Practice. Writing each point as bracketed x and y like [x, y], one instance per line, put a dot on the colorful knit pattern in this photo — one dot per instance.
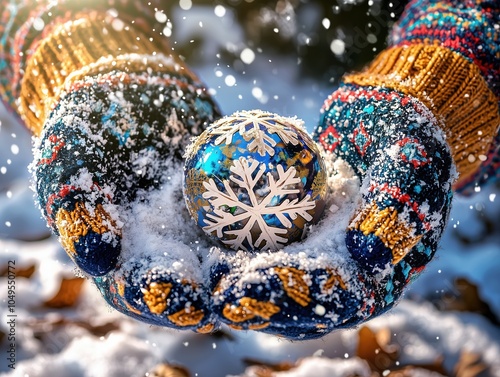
[392, 141]
[304, 298]
[282, 293]
[430, 68]
[429, 73]
[110, 110]
[101, 145]
[25, 23]
[470, 28]
[295, 298]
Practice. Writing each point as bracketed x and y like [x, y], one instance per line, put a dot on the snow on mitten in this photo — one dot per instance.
[425, 107]
[111, 115]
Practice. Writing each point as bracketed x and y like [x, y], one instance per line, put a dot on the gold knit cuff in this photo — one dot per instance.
[449, 85]
[130, 63]
[69, 48]
[394, 233]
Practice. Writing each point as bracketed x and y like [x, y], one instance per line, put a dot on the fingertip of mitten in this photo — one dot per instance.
[292, 302]
[368, 250]
[159, 297]
[88, 233]
[96, 254]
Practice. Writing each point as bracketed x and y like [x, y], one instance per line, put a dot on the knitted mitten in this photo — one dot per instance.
[445, 58]
[111, 114]
[427, 105]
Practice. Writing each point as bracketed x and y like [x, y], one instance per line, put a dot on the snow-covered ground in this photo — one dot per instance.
[447, 324]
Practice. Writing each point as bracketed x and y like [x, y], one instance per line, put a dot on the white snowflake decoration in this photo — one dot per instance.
[246, 174]
[255, 126]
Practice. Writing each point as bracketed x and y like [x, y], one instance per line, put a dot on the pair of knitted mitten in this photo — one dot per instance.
[113, 114]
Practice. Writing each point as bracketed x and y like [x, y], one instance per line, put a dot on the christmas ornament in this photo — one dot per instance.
[254, 180]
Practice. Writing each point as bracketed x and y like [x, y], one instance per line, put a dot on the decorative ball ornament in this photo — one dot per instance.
[254, 181]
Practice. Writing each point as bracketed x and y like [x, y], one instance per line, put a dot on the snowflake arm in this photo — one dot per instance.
[244, 172]
[218, 198]
[261, 141]
[241, 235]
[293, 209]
[227, 129]
[270, 236]
[287, 136]
[279, 187]
[284, 133]
[219, 219]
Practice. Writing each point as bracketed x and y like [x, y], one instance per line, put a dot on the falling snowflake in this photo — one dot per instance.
[256, 126]
[247, 175]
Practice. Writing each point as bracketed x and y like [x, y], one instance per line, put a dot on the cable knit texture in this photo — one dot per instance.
[451, 87]
[470, 28]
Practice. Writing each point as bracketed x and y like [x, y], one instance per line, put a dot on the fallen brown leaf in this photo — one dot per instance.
[469, 365]
[96, 330]
[411, 370]
[375, 349]
[24, 272]
[54, 332]
[265, 369]
[68, 293]
[168, 370]
[381, 356]
[466, 298]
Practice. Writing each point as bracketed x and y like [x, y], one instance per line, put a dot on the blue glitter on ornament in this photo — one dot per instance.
[254, 181]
